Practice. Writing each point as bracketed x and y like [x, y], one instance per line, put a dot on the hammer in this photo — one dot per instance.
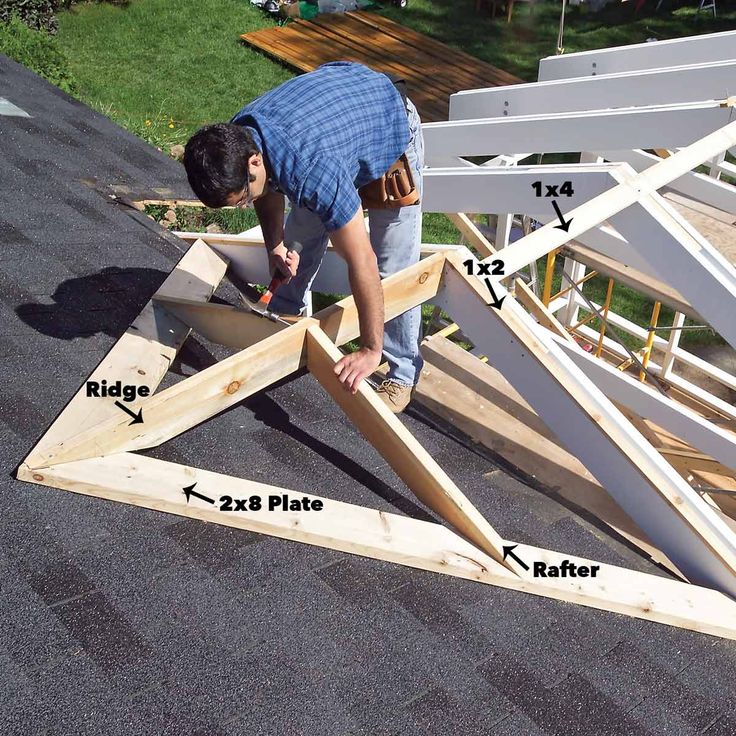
[261, 306]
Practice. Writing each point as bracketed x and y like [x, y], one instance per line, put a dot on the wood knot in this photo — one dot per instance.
[37, 476]
[423, 277]
[233, 387]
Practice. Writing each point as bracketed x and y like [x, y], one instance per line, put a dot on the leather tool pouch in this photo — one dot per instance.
[394, 189]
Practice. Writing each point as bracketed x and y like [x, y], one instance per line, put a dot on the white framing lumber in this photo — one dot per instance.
[156, 484]
[475, 238]
[544, 315]
[606, 205]
[657, 126]
[195, 276]
[718, 406]
[648, 403]
[701, 187]
[247, 256]
[503, 190]
[711, 47]
[684, 259]
[666, 508]
[691, 83]
[475, 398]
[409, 460]
[199, 397]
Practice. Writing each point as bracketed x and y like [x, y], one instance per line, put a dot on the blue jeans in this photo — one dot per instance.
[396, 237]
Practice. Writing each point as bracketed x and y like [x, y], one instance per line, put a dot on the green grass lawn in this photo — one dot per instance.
[532, 34]
[163, 69]
[155, 64]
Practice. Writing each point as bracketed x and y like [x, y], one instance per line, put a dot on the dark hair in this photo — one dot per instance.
[216, 160]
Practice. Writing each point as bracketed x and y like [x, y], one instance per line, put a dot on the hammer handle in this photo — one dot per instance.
[277, 279]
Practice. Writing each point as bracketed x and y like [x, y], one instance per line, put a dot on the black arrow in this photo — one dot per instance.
[565, 225]
[508, 551]
[189, 492]
[137, 418]
[496, 301]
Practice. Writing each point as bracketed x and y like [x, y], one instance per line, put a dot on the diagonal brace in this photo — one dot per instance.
[409, 460]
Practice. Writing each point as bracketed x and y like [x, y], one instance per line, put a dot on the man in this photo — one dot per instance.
[316, 139]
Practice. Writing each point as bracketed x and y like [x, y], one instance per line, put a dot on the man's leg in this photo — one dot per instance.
[396, 237]
[304, 227]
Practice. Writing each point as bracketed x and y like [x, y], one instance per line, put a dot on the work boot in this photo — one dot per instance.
[395, 395]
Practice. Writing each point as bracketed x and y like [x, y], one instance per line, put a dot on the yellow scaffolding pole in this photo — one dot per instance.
[650, 341]
[606, 307]
[548, 272]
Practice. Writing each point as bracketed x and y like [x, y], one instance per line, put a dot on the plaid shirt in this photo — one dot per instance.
[326, 133]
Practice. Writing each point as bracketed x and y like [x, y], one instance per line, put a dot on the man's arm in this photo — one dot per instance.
[352, 243]
[270, 211]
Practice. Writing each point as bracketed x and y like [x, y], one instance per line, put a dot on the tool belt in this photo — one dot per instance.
[394, 189]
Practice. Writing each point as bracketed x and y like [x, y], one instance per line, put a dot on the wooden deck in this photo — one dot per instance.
[433, 71]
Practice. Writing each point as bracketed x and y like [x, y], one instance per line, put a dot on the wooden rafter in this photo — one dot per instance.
[92, 455]
[409, 460]
[145, 351]
[156, 484]
[648, 489]
[228, 382]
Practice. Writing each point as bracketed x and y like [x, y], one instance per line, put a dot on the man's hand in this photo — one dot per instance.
[283, 261]
[352, 243]
[353, 368]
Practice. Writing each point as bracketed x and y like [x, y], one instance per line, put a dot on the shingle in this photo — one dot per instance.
[724, 726]
[516, 724]
[59, 581]
[105, 635]
[117, 619]
[441, 616]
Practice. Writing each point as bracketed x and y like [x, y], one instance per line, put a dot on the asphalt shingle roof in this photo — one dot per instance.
[120, 620]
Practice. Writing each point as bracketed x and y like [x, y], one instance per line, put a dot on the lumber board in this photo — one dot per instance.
[409, 460]
[648, 403]
[726, 502]
[598, 92]
[673, 516]
[635, 279]
[144, 353]
[718, 227]
[650, 126]
[684, 203]
[432, 69]
[631, 188]
[684, 258]
[158, 485]
[474, 397]
[215, 389]
[522, 292]
[699, 49]
[701, 187]
[222, 324]
[696, 461]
